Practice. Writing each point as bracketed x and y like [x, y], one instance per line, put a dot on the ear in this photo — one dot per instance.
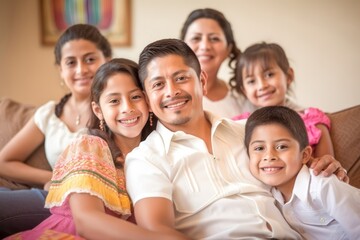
[203, 80]
[306, 154]
[290, 76]
[97, 110]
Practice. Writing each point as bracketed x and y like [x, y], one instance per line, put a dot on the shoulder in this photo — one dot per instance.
[315, 116]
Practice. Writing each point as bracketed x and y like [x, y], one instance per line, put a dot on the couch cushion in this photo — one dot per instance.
[13, 116]
[345, 135]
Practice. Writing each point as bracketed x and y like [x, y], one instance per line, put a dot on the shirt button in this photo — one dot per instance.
[322, 219]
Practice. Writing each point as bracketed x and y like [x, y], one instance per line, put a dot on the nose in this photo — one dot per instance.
[127, 106]
[172, 89]
[81, 68]
[204, 44]
[262, 84]
[269, 155]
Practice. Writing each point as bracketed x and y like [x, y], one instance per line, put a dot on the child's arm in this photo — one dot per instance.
[324, 145]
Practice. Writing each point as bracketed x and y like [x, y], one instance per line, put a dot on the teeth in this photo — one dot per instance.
[176, 105]
[129, 121]
[271, 169]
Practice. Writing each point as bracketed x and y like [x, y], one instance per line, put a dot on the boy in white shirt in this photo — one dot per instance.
[316, 207]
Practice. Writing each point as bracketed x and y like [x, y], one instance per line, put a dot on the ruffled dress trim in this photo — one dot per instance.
[86, 166]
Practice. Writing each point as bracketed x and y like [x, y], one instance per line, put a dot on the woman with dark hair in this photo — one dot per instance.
[87, 195]
[210, 36]
[79, 52]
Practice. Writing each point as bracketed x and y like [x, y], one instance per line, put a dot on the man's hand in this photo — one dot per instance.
[328, 165]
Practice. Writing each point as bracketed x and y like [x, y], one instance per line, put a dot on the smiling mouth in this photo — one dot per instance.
[271, 169]
[129, 121]
[176, 105]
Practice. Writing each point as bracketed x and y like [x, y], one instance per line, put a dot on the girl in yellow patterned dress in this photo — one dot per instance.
[87, 196]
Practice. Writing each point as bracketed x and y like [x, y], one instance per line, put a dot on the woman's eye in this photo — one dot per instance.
[90, 60]
[214, 39]
[195, 39]
[70, 63]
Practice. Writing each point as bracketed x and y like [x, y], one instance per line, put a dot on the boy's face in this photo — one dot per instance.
[275, 156]
[174, 91]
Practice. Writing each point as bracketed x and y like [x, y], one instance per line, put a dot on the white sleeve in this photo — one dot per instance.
[342, 201]
[147, 175]
[43, 114]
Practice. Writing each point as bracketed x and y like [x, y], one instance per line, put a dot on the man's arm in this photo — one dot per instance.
[328, 165]
[157, 214]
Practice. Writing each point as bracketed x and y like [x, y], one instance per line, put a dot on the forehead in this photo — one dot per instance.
[205, 25]
[166, 65]
[120, 83]
[78, 47]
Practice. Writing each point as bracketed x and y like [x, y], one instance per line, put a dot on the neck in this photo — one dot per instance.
[126, 145]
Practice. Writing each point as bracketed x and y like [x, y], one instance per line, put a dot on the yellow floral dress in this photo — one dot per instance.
[86, 166]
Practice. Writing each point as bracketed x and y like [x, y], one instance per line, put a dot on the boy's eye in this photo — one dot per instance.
[258, 148]
[281, 147]
[269, 74]
[181, 78]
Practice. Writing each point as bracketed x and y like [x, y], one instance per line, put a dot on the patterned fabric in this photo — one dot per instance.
[86, 166]
[311, 117]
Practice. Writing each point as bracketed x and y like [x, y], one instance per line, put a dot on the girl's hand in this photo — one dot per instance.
[328, 165]
[47, 186]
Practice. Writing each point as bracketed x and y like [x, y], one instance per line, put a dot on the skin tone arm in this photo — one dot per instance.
[325, 145]
[92, 222]
[18, 149]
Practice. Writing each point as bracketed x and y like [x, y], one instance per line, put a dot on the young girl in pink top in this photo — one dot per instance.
[264, 76]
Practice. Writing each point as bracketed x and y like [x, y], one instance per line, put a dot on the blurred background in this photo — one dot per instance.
[320, 37]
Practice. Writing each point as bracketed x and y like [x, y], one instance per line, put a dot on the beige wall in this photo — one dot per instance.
[321, 38]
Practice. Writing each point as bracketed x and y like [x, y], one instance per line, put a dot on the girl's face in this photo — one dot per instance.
[79, 62]
[123, 107]
[275, 156]
[207, 39]
[266, 87]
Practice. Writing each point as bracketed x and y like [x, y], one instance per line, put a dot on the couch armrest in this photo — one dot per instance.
[345, 135]
[13, 116]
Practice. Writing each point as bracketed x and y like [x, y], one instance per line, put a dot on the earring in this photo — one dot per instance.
[102, 125]
[151, 119]
[62, 83]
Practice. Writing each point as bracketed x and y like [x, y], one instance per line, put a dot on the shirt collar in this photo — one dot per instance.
[168, 136]
[301, 186]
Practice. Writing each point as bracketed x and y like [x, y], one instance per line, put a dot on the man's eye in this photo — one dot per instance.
[157, 85]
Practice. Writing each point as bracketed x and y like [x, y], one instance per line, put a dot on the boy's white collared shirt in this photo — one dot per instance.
[322, 207]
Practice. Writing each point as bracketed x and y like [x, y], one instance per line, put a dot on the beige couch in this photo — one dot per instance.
[345, 133]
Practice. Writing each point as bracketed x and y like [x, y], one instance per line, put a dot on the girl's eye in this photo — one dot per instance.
[113, 101]
[137, 96]
[269, 74]
[250, 81]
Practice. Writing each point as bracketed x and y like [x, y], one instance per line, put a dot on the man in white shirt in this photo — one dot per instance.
[191, 175]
